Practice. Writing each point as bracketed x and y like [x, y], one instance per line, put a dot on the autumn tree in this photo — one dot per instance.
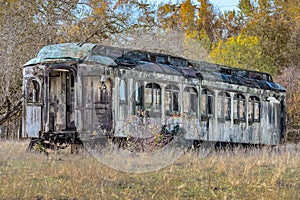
[267, 39]
[262, 35]
[290, 80]
[230, 25]
[276, 24]
[243, 52]
[15, 33]
[24, 29]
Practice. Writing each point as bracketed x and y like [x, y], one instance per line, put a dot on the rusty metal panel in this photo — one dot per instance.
[33, 121]
[66, 51]
[99, 106]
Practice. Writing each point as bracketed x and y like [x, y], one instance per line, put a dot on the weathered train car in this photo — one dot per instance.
[78, 91]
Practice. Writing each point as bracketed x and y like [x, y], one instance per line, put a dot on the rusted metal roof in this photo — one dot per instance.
[65, 51]
[154, 62]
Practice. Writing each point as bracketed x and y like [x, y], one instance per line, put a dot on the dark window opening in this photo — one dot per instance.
[171, 99]
[161, 59]
[178, 61]
[224, 106]
[239, 107]
[138, 98]
[254, 109]
[153, 98]
[226, 71]
[190, 101]
[103, 94]
[207, 102]
[70, 100]
[33, 91]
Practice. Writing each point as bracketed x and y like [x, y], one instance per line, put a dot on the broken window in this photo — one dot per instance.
[171, 99]
[70, 100]
[207, 102]
[190, 99]
[33, 91]
[123, 91]
[224, 106]
[153, 97]
[239, 107]
[138, 97]
[254, 109]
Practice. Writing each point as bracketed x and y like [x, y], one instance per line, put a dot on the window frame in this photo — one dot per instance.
[254, 109]
[123, 91]
[172, 101]
[207, 104]
[239, 101]
[223, 105]
[138, 97]
[192, 105]
[154, 91]
[33, 91]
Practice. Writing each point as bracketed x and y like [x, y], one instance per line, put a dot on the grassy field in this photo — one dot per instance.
[236, 174]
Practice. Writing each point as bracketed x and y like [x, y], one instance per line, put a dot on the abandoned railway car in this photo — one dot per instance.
[74, 92]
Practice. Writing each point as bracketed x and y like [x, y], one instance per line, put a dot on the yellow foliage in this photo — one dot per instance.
[187, 15]
[242, 52]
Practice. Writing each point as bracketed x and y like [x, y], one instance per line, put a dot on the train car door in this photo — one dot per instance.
[61, 100]
[103, 105]
[33, 108]
[96, 103]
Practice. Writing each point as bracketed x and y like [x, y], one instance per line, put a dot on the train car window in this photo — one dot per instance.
[114, 53]
[171, 99]
[136, 55]
[239, 107]
[103, 93]
[153, 97]
[254, 109]
[224, 105]
[138, 97]
[123, 91]
[33, 91]
[177, 61]
[241, 73]
[207, 102]
[161, 59]
[190, 99]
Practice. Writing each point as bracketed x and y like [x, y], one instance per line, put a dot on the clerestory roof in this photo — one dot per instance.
[153, 62]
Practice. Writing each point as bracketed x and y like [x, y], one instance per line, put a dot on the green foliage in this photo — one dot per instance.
[40, 147]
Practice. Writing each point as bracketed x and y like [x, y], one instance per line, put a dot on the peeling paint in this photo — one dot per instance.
[99, 90]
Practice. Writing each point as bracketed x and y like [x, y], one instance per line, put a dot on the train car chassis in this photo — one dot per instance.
[78, 92]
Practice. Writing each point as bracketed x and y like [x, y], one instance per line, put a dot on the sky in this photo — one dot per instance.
[225, 4]
[222, 5]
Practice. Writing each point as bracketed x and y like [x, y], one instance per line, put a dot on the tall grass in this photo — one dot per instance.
[233, 174]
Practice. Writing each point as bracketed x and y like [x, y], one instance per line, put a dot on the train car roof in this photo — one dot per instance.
[153, 62]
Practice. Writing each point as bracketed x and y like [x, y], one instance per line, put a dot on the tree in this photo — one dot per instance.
[15, 33]
[242, 52]
[207, 21]
[24, 29]
[230, 25]
[290, 80]
[276, 24]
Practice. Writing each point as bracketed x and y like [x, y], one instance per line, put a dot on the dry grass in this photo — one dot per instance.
[237, 174]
